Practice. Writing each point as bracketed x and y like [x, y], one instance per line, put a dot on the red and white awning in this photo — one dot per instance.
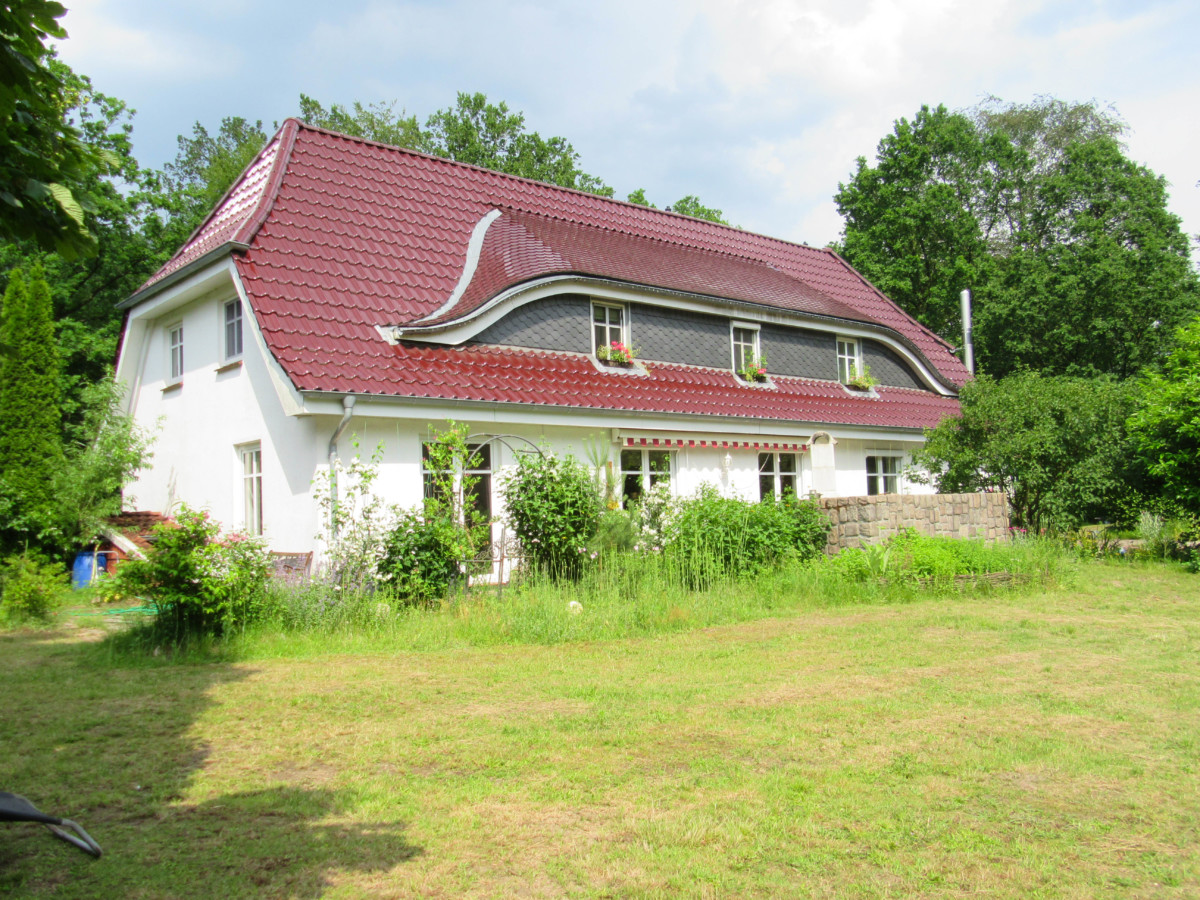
[719, 444]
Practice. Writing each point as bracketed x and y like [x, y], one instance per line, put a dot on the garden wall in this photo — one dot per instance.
[868, 520]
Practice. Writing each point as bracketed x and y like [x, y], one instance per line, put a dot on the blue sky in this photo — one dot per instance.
[760, 107]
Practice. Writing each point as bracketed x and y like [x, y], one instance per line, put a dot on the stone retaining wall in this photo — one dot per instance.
[868, 520]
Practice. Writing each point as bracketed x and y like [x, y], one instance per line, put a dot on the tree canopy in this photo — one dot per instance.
[1166, 425]
[1076, 265]
[1056, 445]
[45, 164]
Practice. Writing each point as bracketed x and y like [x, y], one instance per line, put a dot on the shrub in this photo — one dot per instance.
[198, 581]
[616, 531]
[737, 537]
[356, 524]
[30, 588]
[553, 508]
[424, 553]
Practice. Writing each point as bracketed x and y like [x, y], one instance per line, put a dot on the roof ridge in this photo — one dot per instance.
[550, 185]
[266, 201]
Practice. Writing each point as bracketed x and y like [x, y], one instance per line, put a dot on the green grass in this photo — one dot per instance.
[1039, 743]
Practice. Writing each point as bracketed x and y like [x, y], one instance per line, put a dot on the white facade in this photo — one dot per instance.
[223, 405]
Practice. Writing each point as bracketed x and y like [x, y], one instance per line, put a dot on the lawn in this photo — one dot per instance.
[1039, 744]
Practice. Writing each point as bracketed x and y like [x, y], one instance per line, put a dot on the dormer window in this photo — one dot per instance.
[849, 358]
[608, 325]
[748, 361]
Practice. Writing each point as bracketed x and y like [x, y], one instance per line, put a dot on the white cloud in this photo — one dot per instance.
[99, 42]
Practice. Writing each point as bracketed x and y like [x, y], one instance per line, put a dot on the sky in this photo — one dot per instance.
[759, 108]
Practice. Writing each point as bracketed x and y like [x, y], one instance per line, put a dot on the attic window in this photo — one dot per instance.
[747, 355]
[849, 357]
[608, 325]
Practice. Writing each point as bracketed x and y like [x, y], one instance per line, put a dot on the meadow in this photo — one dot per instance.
[757, 740]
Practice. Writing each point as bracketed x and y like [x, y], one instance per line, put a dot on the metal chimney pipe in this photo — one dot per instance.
[968, 346]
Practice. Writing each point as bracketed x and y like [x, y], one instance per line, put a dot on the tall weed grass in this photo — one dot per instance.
[622, 595]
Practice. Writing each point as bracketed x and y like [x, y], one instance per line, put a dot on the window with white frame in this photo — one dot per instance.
[175, 351]
[232, 335]
[745, 347]
[252, 493]
[642, 469]
[849, 359]
[777, 475]
[608, 325]
[883, 473]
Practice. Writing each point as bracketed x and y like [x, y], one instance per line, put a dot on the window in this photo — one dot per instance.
[477, 477]
[849, 361]
[642, 470]
[745, 347]
[233, 330]
[175, 351]
[777, 475]
[252, 514]
[608, 325]
[883, 475]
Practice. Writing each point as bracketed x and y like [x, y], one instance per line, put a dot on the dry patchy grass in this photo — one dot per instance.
[1043, 744]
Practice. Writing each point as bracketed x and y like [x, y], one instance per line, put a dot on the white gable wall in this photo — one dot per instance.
[200, 423]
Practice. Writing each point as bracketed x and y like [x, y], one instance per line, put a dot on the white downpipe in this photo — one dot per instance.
[347, 413]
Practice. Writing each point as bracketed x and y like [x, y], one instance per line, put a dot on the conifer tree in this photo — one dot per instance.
[31, 453]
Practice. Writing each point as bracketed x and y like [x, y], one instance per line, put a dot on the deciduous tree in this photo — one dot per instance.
[1166, 425]
[45, 165]
[1056, 445]
[1076, 264]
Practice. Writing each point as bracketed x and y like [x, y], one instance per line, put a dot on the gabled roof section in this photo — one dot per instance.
[235, 219]
[338, 236]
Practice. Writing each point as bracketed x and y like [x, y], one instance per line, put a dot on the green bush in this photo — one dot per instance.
[729, 536]
[554, 508]
[424, 553]
[30, 588]
[199, 581]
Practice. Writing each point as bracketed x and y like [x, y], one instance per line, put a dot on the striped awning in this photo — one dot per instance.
[718, 444]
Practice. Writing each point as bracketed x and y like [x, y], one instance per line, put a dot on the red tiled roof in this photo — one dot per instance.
[519, 247]
[344, 235]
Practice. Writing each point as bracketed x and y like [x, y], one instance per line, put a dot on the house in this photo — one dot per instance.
[348, 291]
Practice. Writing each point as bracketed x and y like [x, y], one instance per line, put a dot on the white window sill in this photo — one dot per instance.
[229, 366]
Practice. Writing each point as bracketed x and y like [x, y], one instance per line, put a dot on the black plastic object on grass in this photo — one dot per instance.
[15, 808]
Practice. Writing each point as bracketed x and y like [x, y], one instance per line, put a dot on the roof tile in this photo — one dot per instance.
[351, 234]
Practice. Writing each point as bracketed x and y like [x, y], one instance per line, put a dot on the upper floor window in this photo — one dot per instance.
[883, 474]
[608, 325]
[777, 475]
[643, 469]
[232, 348]
[175, 351]
[746, 355]
[849, 356]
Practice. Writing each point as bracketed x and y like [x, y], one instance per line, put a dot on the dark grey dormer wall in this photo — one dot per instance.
[887, 367]
[556, 323]
[669, 335]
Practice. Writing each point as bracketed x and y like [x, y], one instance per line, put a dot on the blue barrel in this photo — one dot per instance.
[84, 570]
